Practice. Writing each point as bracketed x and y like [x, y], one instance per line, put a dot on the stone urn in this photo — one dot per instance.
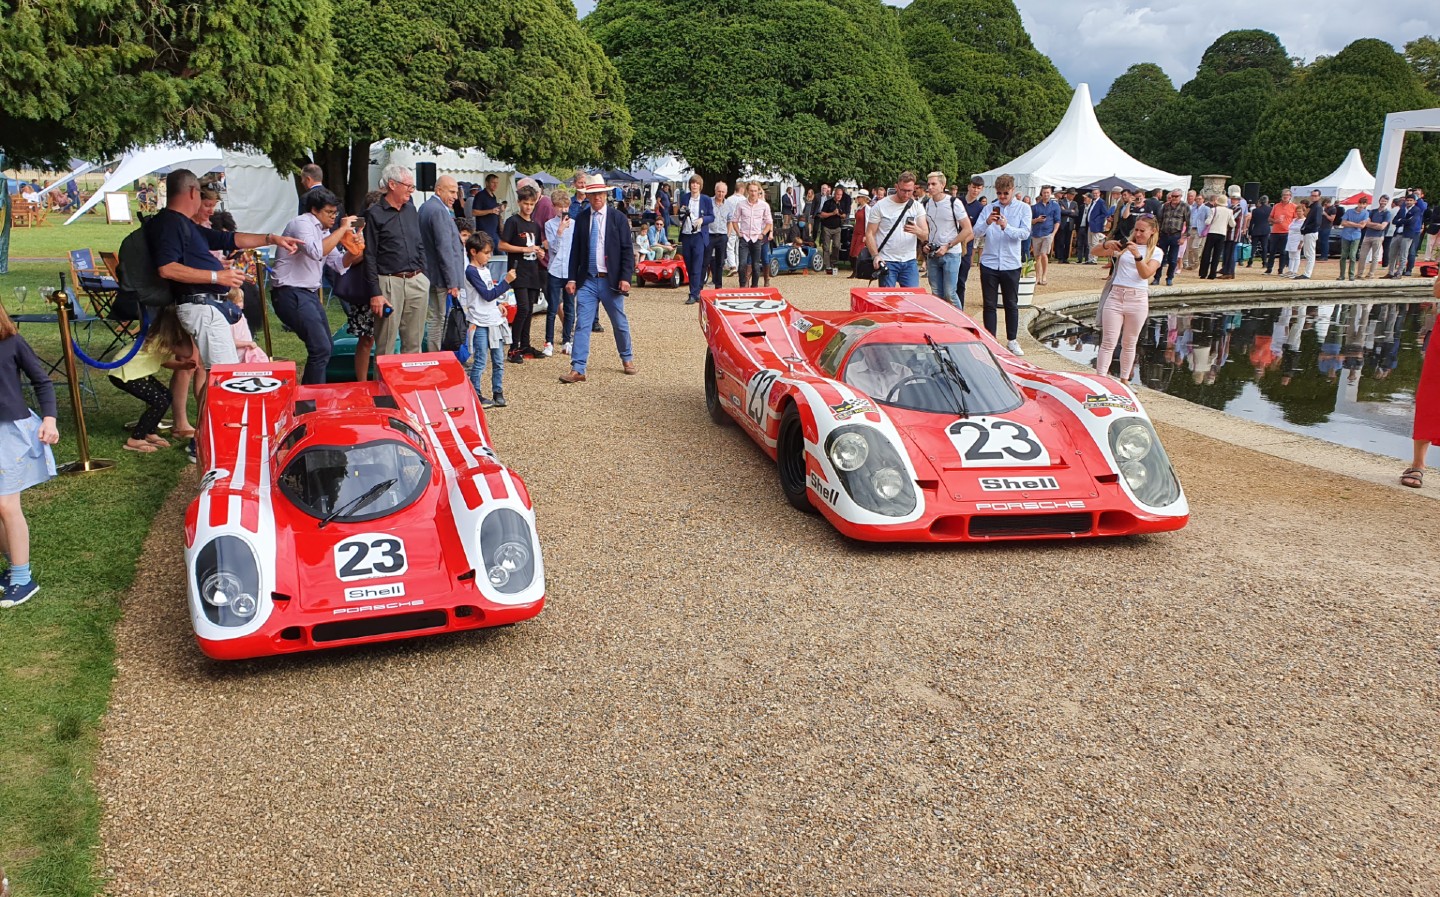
[1214, 185]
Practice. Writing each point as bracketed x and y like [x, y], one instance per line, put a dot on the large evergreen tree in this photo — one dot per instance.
[521, 81]
[1340, 103]
[815, 88]
[89, 78]
[1423, 54]
[994, 94]
[1204, 129]
[1131, 108]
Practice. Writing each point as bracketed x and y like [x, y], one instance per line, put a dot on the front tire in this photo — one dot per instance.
[774, 267]
[790, 458]
[675, 280]
[712, 392]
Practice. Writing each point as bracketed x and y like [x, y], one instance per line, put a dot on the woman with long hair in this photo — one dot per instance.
[1128, 305]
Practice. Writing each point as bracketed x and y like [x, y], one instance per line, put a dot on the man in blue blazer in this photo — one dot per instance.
[602, 263]
[696, 212]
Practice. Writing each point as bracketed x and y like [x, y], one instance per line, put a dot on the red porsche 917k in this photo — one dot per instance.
[353, 512]
[904, 420]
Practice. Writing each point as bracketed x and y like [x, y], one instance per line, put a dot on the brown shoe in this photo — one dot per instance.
[572, 376]
[630, 367]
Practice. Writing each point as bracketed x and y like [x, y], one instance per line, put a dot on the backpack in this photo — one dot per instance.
[140, 282]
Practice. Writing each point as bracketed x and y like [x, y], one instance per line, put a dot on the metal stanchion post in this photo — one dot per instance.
[86, 464]
[262, 272]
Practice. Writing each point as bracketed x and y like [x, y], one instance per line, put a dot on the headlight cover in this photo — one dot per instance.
[1143, 462]
[507, 551]
[878, 482]
[227, 579]
[848, 451]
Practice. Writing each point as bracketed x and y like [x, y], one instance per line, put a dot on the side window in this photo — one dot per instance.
[843, 339]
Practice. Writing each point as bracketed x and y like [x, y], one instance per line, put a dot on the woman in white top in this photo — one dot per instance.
[1293, 238]
[1129, 302]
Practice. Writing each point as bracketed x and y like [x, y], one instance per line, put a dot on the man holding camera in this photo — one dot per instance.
[893, 229]
[697, 213]
[295, 288]
[1004, 229]
[950, 235]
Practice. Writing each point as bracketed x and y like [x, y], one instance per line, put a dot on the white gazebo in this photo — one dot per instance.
[1078, 152]
[462, 164]
[1350, 178]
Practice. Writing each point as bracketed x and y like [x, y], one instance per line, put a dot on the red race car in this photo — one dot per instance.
[665, 272]
[903, 420]
[353, 512]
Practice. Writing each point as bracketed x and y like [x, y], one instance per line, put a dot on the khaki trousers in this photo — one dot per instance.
[409, 298]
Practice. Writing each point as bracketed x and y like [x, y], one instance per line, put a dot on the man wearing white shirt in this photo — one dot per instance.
[1004, 229]
[950, 233]
[602, 263]
[716, 249]
[892, 228]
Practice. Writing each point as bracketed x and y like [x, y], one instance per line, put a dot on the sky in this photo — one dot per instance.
[1097, 40]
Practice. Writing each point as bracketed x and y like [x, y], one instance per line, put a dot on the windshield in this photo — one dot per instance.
[323, 478]
[910, 375]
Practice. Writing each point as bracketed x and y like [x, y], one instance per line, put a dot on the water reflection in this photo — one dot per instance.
[1343, 373]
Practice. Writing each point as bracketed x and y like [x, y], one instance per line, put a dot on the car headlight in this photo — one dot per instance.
[1133, 443]
[227, 579]
[1143, 462]
[871, 470]
[848, 451]
[506, 547]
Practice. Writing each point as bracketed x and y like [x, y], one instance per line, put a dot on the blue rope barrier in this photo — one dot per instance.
[134, 348]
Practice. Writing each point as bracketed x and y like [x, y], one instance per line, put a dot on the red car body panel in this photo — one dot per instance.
[1058, 477]
[316, 588]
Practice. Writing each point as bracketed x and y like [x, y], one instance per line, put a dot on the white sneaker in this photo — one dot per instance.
[548, 350]
[1014, 347]
[565, 349]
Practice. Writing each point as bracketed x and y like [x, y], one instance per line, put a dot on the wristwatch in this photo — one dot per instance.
[214, 276]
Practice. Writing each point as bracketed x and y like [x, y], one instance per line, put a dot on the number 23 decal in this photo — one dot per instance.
[992, 442]
[370, 555]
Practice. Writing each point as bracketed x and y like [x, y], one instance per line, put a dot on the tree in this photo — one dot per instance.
[1341, 103]
[521, 81]
[994, 94]
[91, 79]
[817, 89]
[1423, 54]
[1131, 107]
[1214, 114]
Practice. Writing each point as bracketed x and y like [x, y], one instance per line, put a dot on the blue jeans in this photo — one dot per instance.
[944, 274]
[1170, 245]
[752, 262]
[301, 311]
[592, 294]
[554, 295]
[692, 250]
[901, 274]
[480, 350]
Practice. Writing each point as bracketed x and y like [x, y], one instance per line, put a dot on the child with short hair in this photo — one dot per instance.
[521, 240]
[490, 332]
[25, 456]
[245, 345]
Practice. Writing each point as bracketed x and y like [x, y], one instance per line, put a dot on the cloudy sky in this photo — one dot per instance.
[1096, 40]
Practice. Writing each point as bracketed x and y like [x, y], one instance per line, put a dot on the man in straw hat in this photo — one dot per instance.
[602, 263]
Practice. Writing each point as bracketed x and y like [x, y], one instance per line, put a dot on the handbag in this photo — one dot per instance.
[453, 336]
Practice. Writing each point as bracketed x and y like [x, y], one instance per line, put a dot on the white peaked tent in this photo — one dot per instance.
[261, 200]
[470, 165]
[1347, 180]
[1076, 153]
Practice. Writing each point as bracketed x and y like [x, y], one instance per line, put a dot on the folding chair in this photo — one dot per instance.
[79, 318]
[99, 286]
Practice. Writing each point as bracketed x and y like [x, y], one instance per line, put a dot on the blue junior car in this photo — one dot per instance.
[791, 259]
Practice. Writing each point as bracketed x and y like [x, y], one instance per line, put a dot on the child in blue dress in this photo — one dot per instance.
[25, 457]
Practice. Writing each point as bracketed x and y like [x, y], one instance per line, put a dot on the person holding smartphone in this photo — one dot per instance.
[1004, 229]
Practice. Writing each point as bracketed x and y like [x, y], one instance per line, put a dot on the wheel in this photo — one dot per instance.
[675, 280]
[712, 392]
[774, 267]
[790, 458]
[796, 257]
[817, 261]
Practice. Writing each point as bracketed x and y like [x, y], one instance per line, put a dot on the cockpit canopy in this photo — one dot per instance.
[319, 479]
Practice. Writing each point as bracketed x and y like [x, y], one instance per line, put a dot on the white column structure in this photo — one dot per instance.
[1387, 169]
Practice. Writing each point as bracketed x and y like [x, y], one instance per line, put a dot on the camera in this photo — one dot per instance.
[934, 249]
[684, 213]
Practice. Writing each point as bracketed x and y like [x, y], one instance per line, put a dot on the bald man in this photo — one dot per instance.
[444, 256]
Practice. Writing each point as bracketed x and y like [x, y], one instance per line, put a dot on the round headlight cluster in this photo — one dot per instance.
[1135, 474]
[222, 589]
[849, 451]
[1133, 443]
[508, 558]
[888, 482]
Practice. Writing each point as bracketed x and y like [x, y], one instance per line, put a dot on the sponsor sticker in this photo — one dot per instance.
[762, 305]
[814, 333]
[392, 605]
[1106, 400]
[376, 593]
[851, 407]
[819, 487]
[419, 364]
[1074, 505]
[213, 477]
[1019, 484]
[800, 324]
[252, 385]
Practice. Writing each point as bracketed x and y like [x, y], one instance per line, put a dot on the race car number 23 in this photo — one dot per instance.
[370, 555]
[992, 442]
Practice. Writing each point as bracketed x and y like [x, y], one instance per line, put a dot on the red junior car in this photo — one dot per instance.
[353, 512]
[662, 272]
[903, 420]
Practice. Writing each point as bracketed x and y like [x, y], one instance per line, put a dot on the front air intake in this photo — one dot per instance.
[370, 627]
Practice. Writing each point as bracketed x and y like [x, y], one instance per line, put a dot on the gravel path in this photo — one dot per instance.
[725, 697]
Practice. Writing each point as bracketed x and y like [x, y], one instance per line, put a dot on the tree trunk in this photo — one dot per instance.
[359, 179]
[347, 172]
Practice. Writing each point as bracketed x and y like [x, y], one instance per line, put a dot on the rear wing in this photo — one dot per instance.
[434, 389]
[759, 301]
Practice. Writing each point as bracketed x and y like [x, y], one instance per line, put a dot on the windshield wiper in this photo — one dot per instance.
[952, 370]
[359, 501]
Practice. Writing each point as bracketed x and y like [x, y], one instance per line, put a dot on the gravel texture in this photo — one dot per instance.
[724, 696]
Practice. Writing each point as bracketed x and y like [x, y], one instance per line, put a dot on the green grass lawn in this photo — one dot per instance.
[55, 239]
[57, 653]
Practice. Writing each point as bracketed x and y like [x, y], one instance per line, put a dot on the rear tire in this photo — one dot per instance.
[774, 267]
[790, 458]
[712, 393]
[675, 280]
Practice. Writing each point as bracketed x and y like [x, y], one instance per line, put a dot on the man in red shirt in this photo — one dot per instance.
[1281, 214]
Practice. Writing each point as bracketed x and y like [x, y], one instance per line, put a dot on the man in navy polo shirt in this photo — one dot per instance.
[181, 251]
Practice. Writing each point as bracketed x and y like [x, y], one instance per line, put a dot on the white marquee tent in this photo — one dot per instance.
[1347, 180]
[261, 200]
[1078, 152]
[470, 165]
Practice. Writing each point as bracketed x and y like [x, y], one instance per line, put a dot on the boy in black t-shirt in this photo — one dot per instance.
[521, 241]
